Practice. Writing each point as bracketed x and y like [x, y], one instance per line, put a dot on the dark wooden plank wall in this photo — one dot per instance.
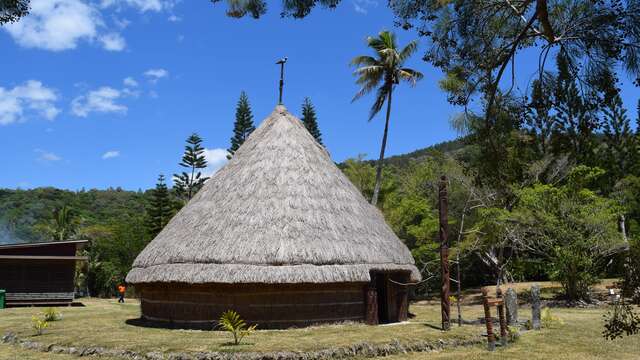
[269, 306]
[37, 276]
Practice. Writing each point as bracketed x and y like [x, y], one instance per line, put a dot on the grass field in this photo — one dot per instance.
[103, 323]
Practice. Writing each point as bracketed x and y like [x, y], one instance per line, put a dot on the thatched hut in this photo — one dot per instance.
[279, 235]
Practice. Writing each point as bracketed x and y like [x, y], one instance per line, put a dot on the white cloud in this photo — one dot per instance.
[113, 42]
[130, 82]
[62, 24]
[111, 154]
[363, 6]
[47, 156]
[56, 25]
[174, 18]
[216, 158]
[102, 100]
[142, 5]
[31, 95]
[156, 74]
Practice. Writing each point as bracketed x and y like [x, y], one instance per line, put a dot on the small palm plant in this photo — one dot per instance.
[230, 321]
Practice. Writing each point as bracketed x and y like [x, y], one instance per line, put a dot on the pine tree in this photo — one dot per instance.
[310, 120]
[575, 116]
[618, 138]
[189, 182]
[159, 209]
[636, 157]
[539, 119]
[243, 126]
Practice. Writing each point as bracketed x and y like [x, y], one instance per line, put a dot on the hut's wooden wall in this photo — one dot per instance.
[269, 306]
[35, 274]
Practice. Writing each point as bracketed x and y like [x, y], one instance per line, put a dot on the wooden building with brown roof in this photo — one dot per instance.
[39, 273]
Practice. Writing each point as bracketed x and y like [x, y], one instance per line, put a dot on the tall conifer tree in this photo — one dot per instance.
[636, 158]
[310, 120]
[575, 115]
[159, 209]
[243, 126]
[538, 116]
[190, 181]
[618, 138]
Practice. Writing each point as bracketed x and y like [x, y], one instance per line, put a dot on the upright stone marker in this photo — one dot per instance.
[511, 303]
[535, 307]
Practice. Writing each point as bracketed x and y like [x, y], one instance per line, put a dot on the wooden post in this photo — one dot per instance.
[503, 320]
[371, 317]
[444, 254]
[491, 340]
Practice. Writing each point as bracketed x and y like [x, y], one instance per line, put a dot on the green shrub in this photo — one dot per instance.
[549, 320]
[513, 333]
[38, 324]
[619, 321]
[230, 321]
[51, 314]
[631, 280]
[575, 268]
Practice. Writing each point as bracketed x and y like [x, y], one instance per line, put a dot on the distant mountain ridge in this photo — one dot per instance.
[445, 147]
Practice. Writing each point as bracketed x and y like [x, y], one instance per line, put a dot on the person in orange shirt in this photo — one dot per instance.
[121, 290]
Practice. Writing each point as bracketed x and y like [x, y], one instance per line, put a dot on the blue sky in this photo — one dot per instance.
[103, 93]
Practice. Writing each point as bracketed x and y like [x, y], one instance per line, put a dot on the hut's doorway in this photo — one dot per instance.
[382, 298]
[387, 300]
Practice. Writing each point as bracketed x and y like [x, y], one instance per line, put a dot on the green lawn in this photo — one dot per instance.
[103, 323]
[578, 339]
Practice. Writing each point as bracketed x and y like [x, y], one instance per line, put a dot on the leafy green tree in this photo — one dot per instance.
[363, 175]
[383, 72]
[243, 126]
[160, 208]
[478, 44]
[573, 226]
[310, 120]
[12, 10]
[189, 182]
[257, 8]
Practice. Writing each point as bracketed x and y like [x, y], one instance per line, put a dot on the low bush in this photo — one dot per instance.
[619, 321]
[549, 320]
[51, 314]
[38, 325]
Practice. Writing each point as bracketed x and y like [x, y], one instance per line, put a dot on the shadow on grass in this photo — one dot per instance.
[433, 327]
[230, 345]
[154, 324]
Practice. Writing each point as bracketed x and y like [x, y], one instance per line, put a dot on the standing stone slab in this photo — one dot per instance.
[535, 307]
[511, 303]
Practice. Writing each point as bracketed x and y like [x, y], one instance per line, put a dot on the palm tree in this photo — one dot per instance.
[64, 224]
[383, 72]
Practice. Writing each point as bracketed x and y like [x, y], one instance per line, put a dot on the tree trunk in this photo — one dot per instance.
[376, 189]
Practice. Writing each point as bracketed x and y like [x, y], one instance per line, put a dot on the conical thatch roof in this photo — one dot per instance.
[279, 212]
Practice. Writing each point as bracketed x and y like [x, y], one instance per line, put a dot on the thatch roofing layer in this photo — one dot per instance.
[279, 212]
